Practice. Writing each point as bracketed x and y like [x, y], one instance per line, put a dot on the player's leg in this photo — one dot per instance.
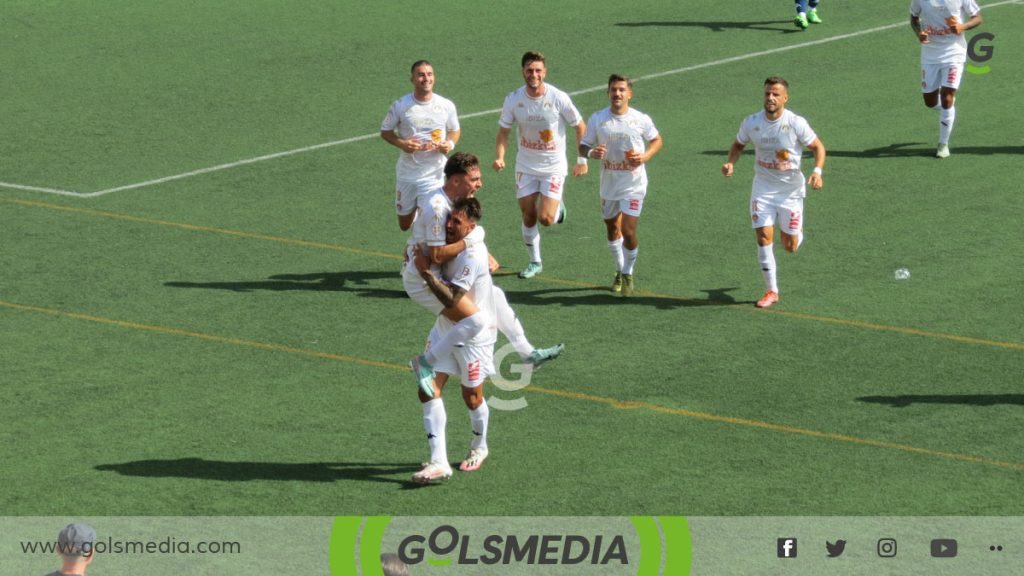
[405, 203]
[631, 207]
[763, 215]
[550, 200]
[613, 224]
[509, 325]
[469, 321]
[435, 422]
[791, 224]
[801, 14]
[952, 74]
[812, 13]
[476, 364]
[527, 195]
[931, 81]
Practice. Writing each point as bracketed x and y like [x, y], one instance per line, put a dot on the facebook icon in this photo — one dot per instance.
[787, 547]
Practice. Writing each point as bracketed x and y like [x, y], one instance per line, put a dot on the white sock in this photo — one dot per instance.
[478, 419]
[531, 237]
[937, 106]
[462, 331]
[766, 254]
[629, 259]
[509, 325]
[615, 247]
[946, 118]
[435, 419]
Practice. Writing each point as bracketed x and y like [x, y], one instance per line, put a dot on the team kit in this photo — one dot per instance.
[447, 266]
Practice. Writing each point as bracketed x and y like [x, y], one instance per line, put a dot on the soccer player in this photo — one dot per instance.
[425, 127]
[462, 180]
[539, 111]
[624, 139]
[803, 15]
[779, 137]
[940, 27]
[470, 277]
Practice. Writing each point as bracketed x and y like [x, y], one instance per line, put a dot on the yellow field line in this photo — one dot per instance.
[613, 402]
[193, 227]
[547, 279]
[632, 405]
[199, 335]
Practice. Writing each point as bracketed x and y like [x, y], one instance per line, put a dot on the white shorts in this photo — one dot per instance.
[528, 184]
[416, 287]
[787, 210]
[406, 192]
[472, 364]
[934, 76]
[631, 205]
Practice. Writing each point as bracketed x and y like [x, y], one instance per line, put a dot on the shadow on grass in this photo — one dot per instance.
[605, 297]
[356, 281]
[966, 399]
[784, 26]
[200, 469]
[904, 150]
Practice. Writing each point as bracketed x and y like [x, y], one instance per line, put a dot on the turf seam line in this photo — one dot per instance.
[612, 402]
[333, 143]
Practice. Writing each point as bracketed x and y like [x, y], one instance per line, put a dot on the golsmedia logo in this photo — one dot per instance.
[445, 540]
[637, 545]
[979, 53]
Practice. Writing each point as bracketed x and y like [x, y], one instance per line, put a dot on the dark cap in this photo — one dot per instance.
[76, 540]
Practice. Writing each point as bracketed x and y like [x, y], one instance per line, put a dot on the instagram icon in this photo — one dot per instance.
[887, 547]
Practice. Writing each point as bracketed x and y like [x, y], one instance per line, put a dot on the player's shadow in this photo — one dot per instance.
[784, 26]
[361, 282]
[902, 150]
[201, 469]
[905, 400]
[588, 296]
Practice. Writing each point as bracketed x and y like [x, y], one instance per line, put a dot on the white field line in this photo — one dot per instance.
[598, 88]
[39, 189]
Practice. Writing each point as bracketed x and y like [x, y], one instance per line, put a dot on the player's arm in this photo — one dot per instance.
[819, 163]
[405, 145]
[448, 145]
[915, 25]
[581, 131]
[443, 254]
[734, 155]
[500, 145]
[448, 295]
[653, 146]
[961, 27]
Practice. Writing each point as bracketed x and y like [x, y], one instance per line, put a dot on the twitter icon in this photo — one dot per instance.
[835, 550]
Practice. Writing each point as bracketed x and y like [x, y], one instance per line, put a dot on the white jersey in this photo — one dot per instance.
[631, 131]
[540, 124]
[778, 147]
[943, 46]
[470, 271]
[429, 121]
[429, 228]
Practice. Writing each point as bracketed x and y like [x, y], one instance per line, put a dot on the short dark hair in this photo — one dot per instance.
[620, 78]
[469, 206]
[460, 163]
[419, 63]
[776, 80]
[533, 56]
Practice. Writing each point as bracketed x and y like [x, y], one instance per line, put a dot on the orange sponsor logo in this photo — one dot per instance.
[782, 154]
[547, 135]
[435, 136]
